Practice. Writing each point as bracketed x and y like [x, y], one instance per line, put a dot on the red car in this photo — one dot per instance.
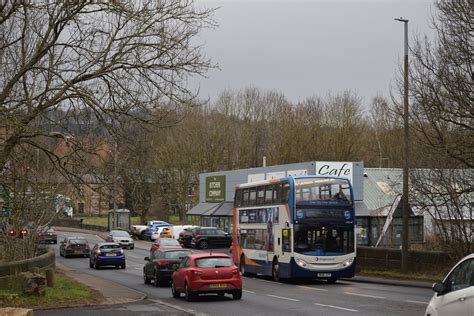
[203, 273]
[165, 243]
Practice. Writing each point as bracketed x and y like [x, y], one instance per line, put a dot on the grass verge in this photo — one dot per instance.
[103, 221]
[401, 276]
[66, 292]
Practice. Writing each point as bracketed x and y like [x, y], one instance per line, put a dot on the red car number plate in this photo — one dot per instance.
[218, 285]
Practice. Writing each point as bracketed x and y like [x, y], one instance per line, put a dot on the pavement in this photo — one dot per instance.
[114, 293]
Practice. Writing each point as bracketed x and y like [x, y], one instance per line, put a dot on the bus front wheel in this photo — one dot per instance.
[242, 266]
[276, 270]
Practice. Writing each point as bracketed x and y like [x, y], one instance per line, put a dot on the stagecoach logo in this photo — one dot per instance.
[347, 215]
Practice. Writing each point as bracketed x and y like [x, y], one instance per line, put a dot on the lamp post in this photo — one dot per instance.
[404, 266]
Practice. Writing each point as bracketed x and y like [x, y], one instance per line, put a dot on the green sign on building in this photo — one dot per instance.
[215, 189]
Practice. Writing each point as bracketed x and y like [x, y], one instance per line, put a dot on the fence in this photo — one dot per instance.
[426, 262]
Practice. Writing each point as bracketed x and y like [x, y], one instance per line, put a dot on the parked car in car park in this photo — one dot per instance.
[204, 273]
[204, 238]
[107, 254]
[158, 230]
[121, 237]
[161, 264]
[155, 230]
[46, 234]
[74, 246]
[186, 235]
[164, 243]
[177, 229]
[455, 294]
[140, 230]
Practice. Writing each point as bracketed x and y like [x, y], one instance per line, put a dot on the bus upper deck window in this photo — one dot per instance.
[268, 194]
[285, 193]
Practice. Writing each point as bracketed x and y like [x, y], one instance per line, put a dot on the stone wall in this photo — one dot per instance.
[10, 271]
[77, 224]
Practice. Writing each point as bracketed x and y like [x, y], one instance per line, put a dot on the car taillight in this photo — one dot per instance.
[97, 251]
[68, 246]
[235, 271]
[11, 232]
[195, 272]
[197, 236]
[163, 262]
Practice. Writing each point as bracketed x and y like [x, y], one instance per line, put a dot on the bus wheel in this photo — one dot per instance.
[242, 266]
[276, 270]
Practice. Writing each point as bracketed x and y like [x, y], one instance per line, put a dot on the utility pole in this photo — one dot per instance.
[405, 242]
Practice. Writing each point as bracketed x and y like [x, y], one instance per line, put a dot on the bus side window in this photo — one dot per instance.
[253, 197]
[260, 195]
[238, 198]
[268, 194]
[285, 193]
[245, 197]
[277, 194]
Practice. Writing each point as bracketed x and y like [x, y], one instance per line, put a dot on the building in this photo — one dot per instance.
[376, 193]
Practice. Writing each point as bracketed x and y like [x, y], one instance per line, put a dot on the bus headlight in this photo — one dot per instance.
[347, 262]
[300, 262]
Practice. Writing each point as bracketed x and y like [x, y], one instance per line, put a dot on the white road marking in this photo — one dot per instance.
[417, 302]
[247, 291]
[337, 307]
[311, 288]
[364, 295]
[284, 298]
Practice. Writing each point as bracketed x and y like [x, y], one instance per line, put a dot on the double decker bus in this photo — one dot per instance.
[295, 227]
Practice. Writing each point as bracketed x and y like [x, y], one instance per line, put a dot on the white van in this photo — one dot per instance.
[177, 229]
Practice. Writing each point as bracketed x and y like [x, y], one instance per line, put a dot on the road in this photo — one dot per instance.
[261, 296]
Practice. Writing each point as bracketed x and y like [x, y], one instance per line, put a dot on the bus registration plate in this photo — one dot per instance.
[324, 275]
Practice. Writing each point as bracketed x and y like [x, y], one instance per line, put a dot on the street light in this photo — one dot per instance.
[405, 152]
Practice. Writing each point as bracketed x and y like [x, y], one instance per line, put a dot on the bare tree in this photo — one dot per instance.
[109, 59]
[442, 88]
[441, 121]
[72, 72]
[446, 195]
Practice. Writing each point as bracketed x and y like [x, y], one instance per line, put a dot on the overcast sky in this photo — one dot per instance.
[309, 47]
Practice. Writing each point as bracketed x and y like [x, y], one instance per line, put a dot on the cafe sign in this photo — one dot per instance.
[215, 189]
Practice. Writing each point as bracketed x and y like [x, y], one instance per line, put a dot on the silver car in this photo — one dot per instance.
[121, 237]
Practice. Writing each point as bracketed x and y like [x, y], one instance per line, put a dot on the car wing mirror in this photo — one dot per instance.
[438, 288]
[147, 258]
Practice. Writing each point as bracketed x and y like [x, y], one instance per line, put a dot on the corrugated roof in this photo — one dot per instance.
[225, 209]
[381, 187]
[202, 208]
